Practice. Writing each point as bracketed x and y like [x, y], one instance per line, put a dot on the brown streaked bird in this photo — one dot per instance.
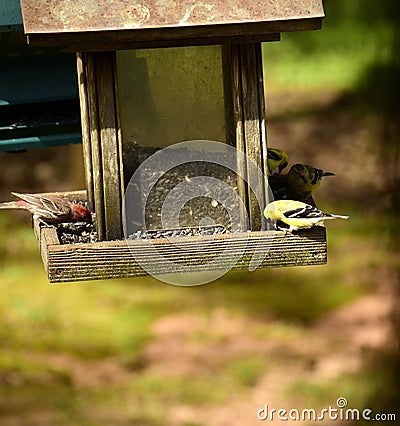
[50, 209]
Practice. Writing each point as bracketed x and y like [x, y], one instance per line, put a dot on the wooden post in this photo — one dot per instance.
[243, 64]
[97, 171]
[108, 125]
[119, 132]
[263, 126]
[234, 119]
[102, 141]
[85, 124]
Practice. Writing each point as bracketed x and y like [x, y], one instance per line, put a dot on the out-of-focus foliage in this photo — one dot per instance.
[356, 35]
[138, 352]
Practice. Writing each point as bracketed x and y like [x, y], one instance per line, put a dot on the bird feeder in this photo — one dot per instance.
[153, 74]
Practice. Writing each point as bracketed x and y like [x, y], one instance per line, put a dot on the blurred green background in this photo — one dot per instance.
[140, 352]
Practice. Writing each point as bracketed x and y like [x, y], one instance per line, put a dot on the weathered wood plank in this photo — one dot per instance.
[263, 126]
[252, 131]
[47, 237]
[172, 37]
[230, 109]
[150, 44]
[108, 126]
[243, 67]
[234, 120]
[85, 124]
[112, 259]
[119, 134]
[97, 170]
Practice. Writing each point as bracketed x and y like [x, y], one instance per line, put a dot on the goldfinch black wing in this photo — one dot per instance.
[304, 212]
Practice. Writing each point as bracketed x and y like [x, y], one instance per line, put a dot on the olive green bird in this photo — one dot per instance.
[299, 184]
[305, 179]
[276, 159]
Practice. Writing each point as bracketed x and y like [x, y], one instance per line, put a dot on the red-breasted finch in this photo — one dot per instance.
[49, 208]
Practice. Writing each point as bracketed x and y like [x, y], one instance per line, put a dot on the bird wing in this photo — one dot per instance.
[304, 212]
[46, 207]
[272, 154]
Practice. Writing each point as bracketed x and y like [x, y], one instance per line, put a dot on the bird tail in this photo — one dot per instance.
[337, 216]
[13, 205]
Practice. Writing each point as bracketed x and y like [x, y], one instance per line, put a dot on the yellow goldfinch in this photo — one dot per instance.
[292, 215]
[276, 159]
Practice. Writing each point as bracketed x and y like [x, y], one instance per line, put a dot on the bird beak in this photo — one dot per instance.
[328, 174]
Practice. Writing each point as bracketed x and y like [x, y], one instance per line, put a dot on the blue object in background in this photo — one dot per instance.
[39, 103]
[10, 15]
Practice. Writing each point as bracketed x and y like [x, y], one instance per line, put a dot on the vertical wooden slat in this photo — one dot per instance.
[229, 105]
[243, 66]
[119, 132]
[97, 170]
[253, 143]
[109, 144]
[234, 119]
[263, 125]
[87, 150]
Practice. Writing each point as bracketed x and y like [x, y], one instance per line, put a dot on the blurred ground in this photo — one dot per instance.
[139, 352]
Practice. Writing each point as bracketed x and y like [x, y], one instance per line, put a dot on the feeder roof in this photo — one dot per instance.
[85, 22]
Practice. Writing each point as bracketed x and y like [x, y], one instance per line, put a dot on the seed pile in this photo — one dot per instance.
[178, 232]
[187, 194]
[195, 198]
[83, 232]
[76, 232]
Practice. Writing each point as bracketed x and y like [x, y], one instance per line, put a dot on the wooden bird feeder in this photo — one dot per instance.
[151, 74]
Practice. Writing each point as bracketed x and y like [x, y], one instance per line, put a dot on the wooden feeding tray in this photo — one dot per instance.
[151, 76]
[116, 259]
